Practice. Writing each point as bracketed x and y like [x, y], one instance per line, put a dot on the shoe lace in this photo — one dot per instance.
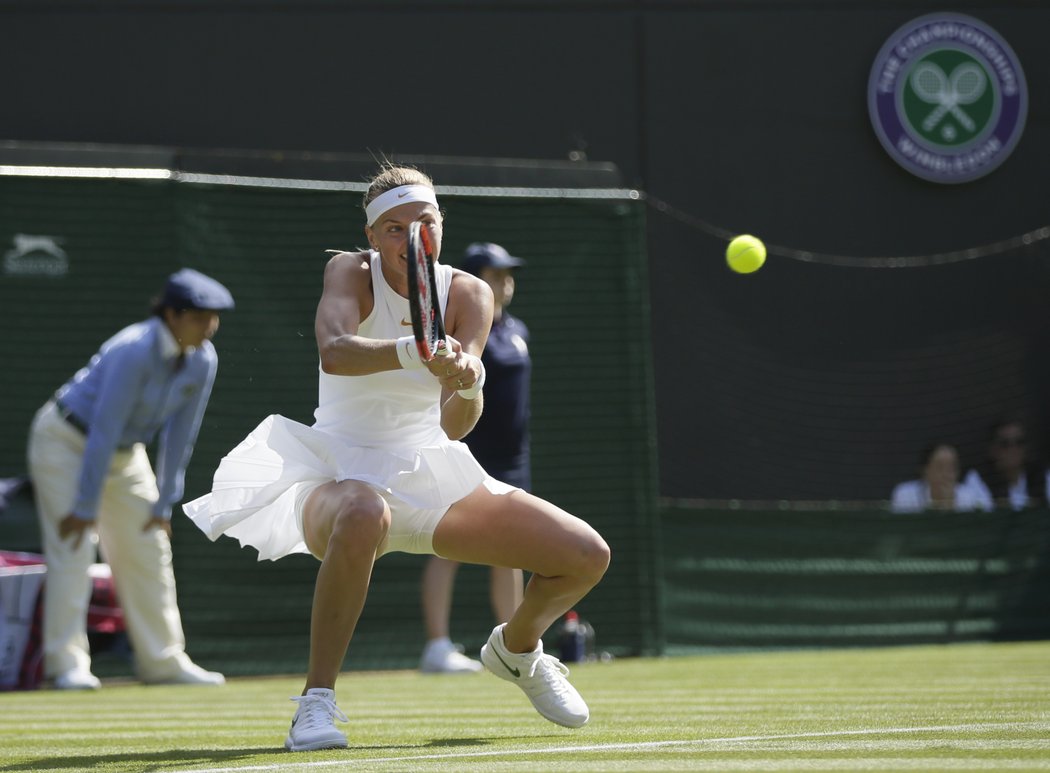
[318, 711]
[552, 671]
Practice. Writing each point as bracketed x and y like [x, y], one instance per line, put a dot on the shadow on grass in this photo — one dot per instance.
[165, 760]
[144, 761]
[451, 743]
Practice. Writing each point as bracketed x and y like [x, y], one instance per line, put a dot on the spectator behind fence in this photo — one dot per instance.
[500, 443]
[94, 484]
[938, 486]
[1009, 478]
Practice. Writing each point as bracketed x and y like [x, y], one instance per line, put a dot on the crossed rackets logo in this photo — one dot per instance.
[947, 97]
[949, 93]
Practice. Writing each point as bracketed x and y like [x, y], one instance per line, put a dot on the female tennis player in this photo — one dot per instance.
[382, 470]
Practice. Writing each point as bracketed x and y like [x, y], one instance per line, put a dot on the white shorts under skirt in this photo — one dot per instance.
[260, 487]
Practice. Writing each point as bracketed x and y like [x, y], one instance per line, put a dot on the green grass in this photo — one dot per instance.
[979, 707]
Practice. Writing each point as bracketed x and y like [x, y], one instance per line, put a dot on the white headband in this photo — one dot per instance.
[403, 194]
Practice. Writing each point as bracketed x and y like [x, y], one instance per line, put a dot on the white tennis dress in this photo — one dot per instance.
[383, 429]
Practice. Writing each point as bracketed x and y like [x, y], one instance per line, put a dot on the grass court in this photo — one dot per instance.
[969, 707]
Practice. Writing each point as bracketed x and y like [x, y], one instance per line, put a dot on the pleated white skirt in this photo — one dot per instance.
[260, 485]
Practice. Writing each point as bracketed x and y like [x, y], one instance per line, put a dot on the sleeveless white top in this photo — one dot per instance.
[394, 408]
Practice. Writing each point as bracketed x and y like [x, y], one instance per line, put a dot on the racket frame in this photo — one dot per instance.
[427, 328]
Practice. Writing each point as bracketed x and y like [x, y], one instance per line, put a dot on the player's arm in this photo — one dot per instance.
[468, 319]
[345, 301]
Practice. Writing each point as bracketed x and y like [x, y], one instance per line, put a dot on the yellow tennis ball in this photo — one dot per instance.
[746, 254]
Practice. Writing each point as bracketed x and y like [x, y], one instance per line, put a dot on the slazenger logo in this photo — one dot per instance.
[947, 98]
[36, 255]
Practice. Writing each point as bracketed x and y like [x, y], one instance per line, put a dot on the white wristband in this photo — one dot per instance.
[471, 392]
[408, 354]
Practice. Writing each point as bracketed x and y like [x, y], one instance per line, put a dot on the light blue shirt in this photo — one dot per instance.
[913, 496]
[133, 389]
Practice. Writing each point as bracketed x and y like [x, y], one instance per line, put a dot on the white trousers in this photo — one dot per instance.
[140, 560]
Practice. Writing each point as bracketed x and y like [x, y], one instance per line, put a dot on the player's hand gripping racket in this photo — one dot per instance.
[427, 325]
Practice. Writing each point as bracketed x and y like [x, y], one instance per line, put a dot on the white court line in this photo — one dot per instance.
[640, 746]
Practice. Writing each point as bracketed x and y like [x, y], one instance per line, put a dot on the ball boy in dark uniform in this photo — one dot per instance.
[500, 442]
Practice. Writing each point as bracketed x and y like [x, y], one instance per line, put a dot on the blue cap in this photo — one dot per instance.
[189, 289]
[486, 254]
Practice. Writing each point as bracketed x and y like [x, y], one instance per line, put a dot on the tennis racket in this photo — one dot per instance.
[427, 325]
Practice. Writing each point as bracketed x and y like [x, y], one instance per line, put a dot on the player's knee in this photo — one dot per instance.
[594, 559]
[361, 522]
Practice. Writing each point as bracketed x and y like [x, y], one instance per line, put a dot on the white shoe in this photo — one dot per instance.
[313, 726]
[77, 679]
[540, 676]
[441, 656]
[191, 674]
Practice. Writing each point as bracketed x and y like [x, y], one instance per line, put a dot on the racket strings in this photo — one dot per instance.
[426, 316]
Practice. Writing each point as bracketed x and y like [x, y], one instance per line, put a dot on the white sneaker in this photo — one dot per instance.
[441, 656]
[313, 726]
[191, 674]
[540, 676]
[77, 679]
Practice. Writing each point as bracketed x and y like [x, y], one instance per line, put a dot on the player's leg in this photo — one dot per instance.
[564, 554]
[345, 525]
[566, 557]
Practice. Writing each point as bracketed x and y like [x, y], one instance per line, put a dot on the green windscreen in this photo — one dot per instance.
[757, 579]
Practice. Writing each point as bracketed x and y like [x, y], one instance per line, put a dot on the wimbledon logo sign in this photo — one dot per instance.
[947, 98]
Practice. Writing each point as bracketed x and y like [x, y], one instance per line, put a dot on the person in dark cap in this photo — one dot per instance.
[94, 484]
[494, 260]
[500, 443]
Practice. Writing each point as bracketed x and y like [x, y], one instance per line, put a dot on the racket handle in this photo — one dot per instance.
[441, 348]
